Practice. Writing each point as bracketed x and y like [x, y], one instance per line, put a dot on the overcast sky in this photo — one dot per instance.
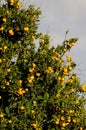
[59, 16]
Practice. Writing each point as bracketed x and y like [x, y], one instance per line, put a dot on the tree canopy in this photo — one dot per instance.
[39, 89]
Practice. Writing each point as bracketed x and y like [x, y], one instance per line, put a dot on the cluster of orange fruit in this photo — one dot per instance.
[4, 48]
[57, 58]
[35, 126]
[67, 122]
[49, 69]
[21, 91]
[31, 69]
[66, 70]
[69, 58]
[18, 5]
[70, 44]
[70, 80]
[83, 87]
[10, 31]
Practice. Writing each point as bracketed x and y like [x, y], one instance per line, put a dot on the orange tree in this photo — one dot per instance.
[38, 87]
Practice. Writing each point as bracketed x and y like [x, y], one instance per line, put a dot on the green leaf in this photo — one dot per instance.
[7, 110]
[46, 96]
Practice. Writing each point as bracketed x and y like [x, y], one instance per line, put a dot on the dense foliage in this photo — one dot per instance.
[38, 87]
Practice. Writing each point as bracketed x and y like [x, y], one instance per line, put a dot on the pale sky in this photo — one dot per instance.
[59, 16]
